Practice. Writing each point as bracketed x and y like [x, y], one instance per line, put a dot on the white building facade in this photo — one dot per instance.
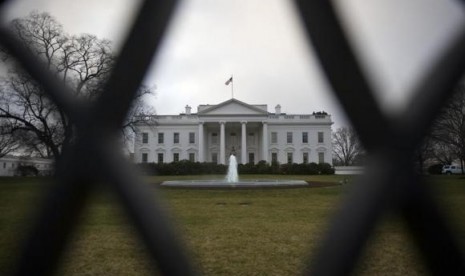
[248, 131]
[9, 165]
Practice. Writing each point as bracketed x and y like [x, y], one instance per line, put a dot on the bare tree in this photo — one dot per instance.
[8, 143]
[449, 129]
[347, 148]
[82, 62]
[424, 152]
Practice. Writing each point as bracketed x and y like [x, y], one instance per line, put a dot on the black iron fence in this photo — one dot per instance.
[389, 184]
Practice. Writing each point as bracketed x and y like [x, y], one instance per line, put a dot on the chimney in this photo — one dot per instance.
[188, 110]
[278, 109]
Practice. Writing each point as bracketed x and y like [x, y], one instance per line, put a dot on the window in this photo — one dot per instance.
[214, 138]
[191, 138]
[192, 157]
[304, 137]
[176, 138]
[160, 158]
[305, 157]
[289, 137]
[145, 137]
[215, 158]
[274, 137]
[251, 158]
[4, 164]
[274, 157]
[161, 138]
[145, 157]
[289, 157]
[321, 157]
[175, 157]
[320, 137]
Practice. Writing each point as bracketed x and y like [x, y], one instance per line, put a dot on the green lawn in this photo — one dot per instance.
[228, 232]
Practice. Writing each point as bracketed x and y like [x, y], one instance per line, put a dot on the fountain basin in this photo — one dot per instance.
[247, 183]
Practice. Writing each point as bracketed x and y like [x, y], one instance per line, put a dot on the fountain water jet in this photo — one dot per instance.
[232, 176]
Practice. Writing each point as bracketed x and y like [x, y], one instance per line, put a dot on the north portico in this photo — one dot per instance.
[249, 131]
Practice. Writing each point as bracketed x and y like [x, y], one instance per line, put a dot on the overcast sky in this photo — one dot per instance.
[262, 44]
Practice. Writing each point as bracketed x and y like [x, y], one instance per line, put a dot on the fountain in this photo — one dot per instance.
[232, 180]
[232, 176]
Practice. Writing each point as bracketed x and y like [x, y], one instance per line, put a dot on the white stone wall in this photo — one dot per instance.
[232, 114]
[152, 148]
[168, 148]
[297, 147]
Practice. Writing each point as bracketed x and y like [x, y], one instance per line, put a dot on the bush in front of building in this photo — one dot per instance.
[306, 169]
[26, 170]
[185, 167]
[435, 169]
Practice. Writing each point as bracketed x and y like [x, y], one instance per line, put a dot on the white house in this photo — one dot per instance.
[247, 130]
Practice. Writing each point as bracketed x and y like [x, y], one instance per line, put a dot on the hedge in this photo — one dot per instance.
[185, 167]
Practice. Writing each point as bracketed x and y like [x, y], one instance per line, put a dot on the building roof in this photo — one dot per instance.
[233, 106]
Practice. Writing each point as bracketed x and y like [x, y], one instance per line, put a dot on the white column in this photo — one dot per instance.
[265, 142]
[201, 143]
[222, 142]
[244, 143]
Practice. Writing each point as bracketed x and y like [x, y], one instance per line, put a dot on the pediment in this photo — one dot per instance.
[233, 107]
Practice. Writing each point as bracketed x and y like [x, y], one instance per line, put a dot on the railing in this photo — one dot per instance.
[388, 185]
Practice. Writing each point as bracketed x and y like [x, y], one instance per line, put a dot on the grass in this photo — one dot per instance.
[228, 232]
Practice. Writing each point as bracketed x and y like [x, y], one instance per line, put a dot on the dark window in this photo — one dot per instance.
[305, 157]
[145, 137]
[161, 138]
[175, 157]
[251, 158]
[176, 138]
[191, 138]
[274, 137]
[320, 137]
[321, 157]
[289, 157]
[192, 157]
[145, 157]
[160, 158]
[274, 157]
[289, 137]
[304, 137]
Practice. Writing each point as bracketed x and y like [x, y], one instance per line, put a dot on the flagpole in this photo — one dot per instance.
[231, 81]
[232, 87]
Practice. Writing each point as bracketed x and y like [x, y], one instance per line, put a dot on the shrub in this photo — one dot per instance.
[313, 168]
[185, 167]
[325, 168]
[263, 167]
[435, 169]
[27, 170]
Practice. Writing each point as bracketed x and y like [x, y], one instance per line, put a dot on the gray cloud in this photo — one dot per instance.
[262, 44]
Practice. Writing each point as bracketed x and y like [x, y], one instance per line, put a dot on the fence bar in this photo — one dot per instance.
[60, 212]
[343, 71]
[135, 58]
[143, 206]
[388, 175]
[432, 234]
[433, 90]
[389, 182]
